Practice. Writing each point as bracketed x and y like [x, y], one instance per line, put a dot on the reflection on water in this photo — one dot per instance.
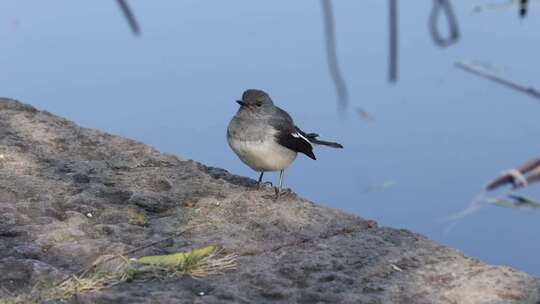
[439, 135]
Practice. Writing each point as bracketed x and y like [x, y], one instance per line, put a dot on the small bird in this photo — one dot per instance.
[265, 137]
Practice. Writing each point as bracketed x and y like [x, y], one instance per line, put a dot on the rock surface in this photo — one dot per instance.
[69, 194]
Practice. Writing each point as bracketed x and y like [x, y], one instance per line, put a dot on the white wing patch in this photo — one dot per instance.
[298, 135]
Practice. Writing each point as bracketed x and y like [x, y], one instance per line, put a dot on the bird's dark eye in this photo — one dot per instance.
[259, 104]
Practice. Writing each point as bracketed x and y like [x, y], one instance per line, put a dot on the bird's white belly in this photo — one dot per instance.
[264, 155]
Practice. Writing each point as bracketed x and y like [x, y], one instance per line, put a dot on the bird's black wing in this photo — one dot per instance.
[288, 136]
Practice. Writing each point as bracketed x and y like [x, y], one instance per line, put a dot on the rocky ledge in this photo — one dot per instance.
[70, 194]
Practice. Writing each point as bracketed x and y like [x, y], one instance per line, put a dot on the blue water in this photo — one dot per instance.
[438, 136]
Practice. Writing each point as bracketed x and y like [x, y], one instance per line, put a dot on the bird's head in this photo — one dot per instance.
[255, 100]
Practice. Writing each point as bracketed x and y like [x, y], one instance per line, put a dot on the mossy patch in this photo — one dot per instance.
[136, 217]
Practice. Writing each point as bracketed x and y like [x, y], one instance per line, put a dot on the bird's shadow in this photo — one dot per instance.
[219, 173]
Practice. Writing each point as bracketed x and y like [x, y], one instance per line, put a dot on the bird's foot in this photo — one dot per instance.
[263, 184]
[282, 192]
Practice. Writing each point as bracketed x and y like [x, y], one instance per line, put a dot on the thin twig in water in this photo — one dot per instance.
[132, 21]
[510, 84]
[445, 7]
[523, 8]
[331, 53]
[522, 5]
[365, 115]
[393, 41]
[532, 167]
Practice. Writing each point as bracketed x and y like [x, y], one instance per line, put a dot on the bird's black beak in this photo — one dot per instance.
[240, 102]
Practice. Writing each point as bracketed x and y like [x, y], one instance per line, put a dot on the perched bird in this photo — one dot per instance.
[265, 137]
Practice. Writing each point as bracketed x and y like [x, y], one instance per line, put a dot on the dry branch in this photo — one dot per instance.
[531, 91]
[532, 167]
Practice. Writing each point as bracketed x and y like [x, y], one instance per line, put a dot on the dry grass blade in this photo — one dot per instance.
[216, 263]
[109, 270]
[108, 258]
[69, 288]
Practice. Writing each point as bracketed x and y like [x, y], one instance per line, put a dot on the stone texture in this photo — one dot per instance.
[68, 195]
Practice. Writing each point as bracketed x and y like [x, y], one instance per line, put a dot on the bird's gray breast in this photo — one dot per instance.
[255, 144]
[248, 129]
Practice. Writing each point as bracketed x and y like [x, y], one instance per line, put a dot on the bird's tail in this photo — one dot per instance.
[313, 139]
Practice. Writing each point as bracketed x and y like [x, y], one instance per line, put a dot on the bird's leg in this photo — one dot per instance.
[260, 180]
[278, 189]
[261, 183]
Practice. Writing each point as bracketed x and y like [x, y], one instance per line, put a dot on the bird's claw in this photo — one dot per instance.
[281, 192]
[261, 184]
